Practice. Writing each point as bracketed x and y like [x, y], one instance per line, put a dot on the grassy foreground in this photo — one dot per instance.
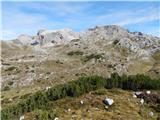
[76, 88]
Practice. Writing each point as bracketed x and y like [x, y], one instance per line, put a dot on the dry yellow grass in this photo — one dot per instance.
[125, 107]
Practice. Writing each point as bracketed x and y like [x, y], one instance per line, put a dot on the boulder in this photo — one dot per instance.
[151, 114]
[148, 92]
[142, 101]
[137, 93]
[56, 118]
[47, 88]
[108, 101]
[81, 102]
[22, 117]
[134, 96]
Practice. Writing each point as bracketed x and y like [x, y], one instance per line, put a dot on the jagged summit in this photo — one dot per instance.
[136, 42]
[24, 39]
[56, 36]
[111, 28]
[63, 36]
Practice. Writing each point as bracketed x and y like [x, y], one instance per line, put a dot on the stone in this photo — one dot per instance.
[148, 92]
[47, 88]
[134, 96]
[106, 107]
[108, 101]
[56, 118]
[82, 102]
[142, 101]
[22, 117]
[151, 114]
[137, 93]
[69, 110]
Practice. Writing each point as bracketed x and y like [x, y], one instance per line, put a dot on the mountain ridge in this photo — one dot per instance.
[100, 50]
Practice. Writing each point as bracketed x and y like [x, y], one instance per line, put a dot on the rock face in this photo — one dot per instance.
[50, 37]
[24, 40]
[136, 42]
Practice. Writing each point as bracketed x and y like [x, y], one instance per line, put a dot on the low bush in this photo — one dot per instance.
[91, 56]
[10, 83]
[76, 88]
[45, 114]
[10, 68]
[75, 53]
[6, 88]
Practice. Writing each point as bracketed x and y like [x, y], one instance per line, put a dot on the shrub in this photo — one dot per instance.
[6, 88]
[115, 42]
[75, 53]
[45, 114]
[76, 88]
[10, 68]
[32, 71]
[10, 83]
[110, 66]
[91, 56]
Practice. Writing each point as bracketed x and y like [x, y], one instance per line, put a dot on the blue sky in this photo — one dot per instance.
[28, 17]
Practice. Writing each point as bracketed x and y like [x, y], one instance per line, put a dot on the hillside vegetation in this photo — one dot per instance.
[76, 88]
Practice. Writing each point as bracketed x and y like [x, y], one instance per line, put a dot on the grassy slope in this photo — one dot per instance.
[125, 107]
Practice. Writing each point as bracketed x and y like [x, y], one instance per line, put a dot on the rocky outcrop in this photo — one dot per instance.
[54, 37]
[136, 42]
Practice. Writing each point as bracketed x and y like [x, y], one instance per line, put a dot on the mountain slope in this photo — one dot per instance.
[56, 56]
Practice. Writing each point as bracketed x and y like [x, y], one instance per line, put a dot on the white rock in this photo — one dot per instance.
[148, 92]
[142, 101]
[108, 101]
[134, 96]
[137, 93]
[57, 36]
[56, 118]
[96, 108]
[106, 107]
[24, 39]
[151, 114]
[47, 88]
[82, 102]
[22, 117]
[69, 110]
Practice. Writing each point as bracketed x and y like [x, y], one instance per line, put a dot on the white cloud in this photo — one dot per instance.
[130, 17]
[135, 20]
[64, 14]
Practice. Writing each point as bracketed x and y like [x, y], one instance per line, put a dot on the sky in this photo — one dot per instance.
[29, 17]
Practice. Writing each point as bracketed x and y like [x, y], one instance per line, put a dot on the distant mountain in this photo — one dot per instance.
[62, 55]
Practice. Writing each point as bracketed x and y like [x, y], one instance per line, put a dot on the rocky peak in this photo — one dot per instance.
[24, 39]
[109, 29]
[56, 36]
[134, 41]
